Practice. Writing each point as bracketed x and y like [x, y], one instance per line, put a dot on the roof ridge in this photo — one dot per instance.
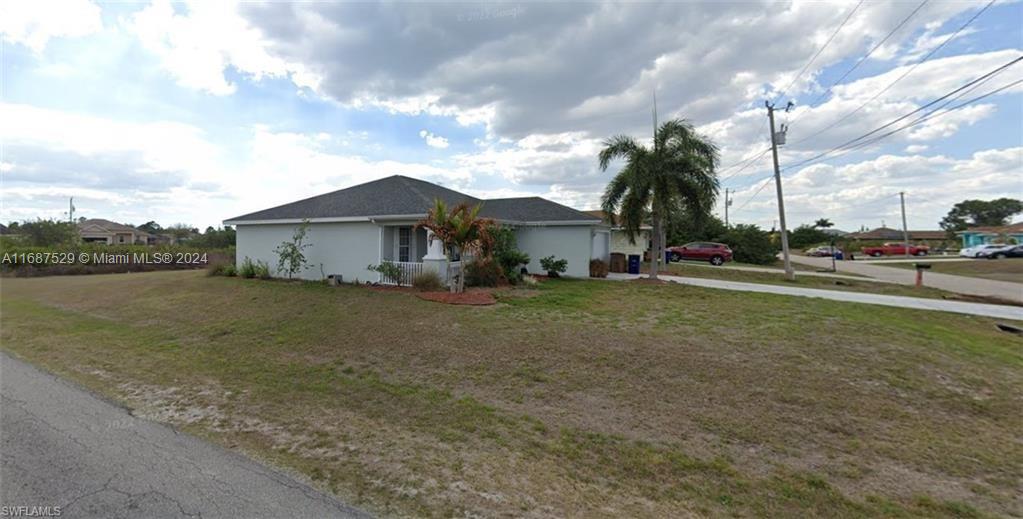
[404, 180]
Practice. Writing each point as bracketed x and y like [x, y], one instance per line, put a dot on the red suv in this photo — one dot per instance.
[715, 253]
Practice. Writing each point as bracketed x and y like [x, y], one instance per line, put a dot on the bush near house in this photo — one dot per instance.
[554, 267]
[483, 273]
[598, 268]
[428, 281]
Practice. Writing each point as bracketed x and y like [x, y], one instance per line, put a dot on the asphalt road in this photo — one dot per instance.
[61, 446]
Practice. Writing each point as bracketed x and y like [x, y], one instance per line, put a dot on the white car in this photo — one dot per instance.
[975, 252]
[994, 252]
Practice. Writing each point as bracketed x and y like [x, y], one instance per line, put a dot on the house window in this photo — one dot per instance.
[404, 240]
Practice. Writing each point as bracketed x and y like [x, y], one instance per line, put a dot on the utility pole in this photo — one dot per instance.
[789, 273]
[727, 203]
[71, 211]
[905, 233]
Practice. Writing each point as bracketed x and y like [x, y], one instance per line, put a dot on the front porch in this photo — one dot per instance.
[411, 250]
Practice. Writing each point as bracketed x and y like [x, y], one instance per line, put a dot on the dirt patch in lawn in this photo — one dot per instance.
[469, 297]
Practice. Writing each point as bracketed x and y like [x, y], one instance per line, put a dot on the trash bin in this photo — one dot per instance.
[667, 257]
[839, 255]
[633, 263]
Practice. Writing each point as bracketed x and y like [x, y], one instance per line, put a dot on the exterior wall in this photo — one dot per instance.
[620, 243]
[973, 239]
[342, 248]
[601, 245]
[570, 242]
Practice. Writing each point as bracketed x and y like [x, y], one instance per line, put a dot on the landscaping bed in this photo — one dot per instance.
[572, 398]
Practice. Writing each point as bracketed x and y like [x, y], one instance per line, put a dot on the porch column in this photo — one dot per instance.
[435, 259]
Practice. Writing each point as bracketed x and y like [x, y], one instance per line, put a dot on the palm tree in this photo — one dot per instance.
[823, 223]
[679, 172]
[460, 229]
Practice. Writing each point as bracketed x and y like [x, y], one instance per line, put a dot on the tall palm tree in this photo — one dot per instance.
[823, 223]
[678, 172]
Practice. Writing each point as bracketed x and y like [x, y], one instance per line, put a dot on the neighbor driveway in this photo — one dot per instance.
[958, 284]
[61, 446]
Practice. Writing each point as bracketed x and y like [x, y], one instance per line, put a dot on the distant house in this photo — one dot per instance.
[98, 230]
[889, 234]
[996, 234]
[620, 242]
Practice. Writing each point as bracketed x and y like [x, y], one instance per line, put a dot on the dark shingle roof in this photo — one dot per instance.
[531, 209]
[405, 196]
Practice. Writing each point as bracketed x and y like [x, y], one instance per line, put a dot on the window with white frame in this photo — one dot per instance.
[404, 243]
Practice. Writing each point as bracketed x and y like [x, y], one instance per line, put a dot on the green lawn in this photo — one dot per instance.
[578, 398]
[851, 285]
[1009, 269]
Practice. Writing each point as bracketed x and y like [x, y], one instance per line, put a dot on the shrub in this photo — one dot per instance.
[807, 236]
[598, 269]
[229, 270]
[290, 254]
[221, 268]
[506, 254]
[247, 269]
[428, 281]
[554, 267]
[261, 270]
[750, 244]
[483, 273]
[389, 271]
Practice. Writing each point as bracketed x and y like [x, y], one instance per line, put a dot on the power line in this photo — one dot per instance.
[761, 188]
[865, 56]
[900, 78]
[959, 90]
[819, 51]
[748, 164]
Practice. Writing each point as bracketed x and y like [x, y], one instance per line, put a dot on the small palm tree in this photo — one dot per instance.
[679, 172]
[460, 229]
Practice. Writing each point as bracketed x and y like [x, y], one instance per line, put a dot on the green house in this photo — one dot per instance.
[999, 234]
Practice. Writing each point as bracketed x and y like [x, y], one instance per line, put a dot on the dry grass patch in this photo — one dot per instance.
[573, 398]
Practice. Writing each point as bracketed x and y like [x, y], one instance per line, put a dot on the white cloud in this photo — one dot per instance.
[197, 47]
[433, 140]
[34, 23]
[916, 148]
[864, 193]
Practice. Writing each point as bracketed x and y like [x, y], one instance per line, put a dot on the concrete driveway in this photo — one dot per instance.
[957, 284]
[61, 446]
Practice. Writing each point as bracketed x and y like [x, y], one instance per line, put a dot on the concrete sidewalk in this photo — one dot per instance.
[779, 271]
[958, 284]
[996, 311]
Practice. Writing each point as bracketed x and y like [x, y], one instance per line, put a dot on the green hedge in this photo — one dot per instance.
[20, 260]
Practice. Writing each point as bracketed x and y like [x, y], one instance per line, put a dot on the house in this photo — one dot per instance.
[374, 222]
[994, 234]
[620, 242]
[889, 234]
[98, 230]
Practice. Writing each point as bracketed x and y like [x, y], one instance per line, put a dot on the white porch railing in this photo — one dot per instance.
[409, 270]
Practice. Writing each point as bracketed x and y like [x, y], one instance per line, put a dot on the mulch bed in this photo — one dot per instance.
[469, 297]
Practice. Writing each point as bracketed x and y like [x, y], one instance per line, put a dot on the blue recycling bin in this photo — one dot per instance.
[839, 255]
[667, 257]
[633, 263]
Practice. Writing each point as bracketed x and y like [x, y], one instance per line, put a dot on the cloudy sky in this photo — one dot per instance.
[199, 111]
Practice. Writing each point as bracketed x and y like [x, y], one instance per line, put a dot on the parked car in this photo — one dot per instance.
[1008, 251]
[824, 252]
[715, 253]
[975, 252]
[896, 249]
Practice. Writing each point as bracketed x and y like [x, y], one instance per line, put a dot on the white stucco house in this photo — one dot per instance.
[373, 223]
[620, 241]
